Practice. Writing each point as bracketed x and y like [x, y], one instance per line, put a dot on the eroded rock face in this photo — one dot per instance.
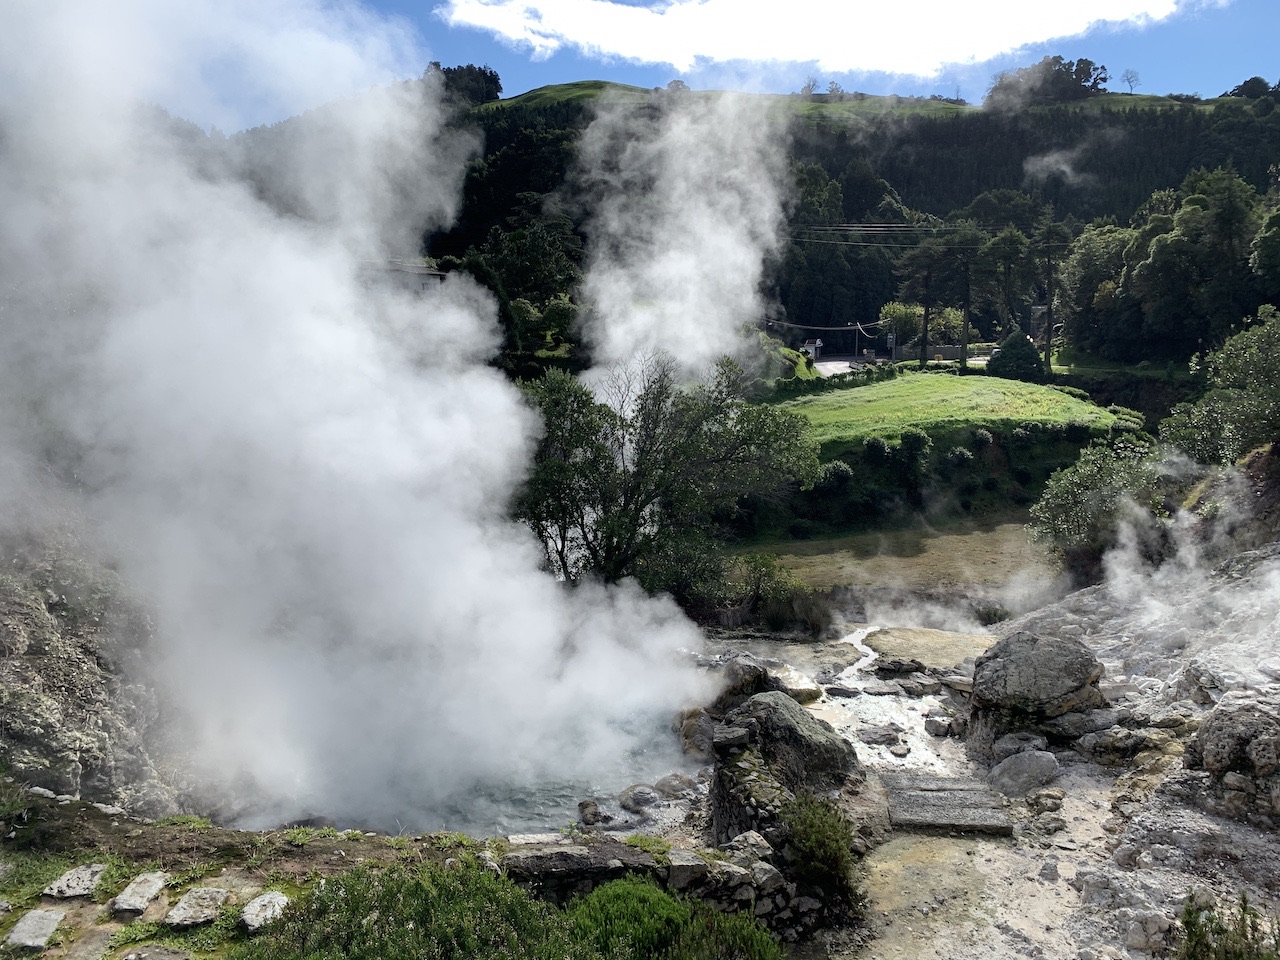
[1238, 746]
[68, 719]
[1025, 680]
[801, 750]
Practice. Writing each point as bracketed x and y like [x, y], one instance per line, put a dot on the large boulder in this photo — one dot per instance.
[1024, 680]
[801, 750]
[1236, 755]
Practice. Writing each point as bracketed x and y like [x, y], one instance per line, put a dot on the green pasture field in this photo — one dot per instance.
[941, 405]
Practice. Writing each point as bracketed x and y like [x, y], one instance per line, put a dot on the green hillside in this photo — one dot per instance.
[942, 406]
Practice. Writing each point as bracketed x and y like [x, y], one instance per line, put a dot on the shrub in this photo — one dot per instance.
[631, 919]
[959, 457]
[1204, 935]
[982, 438]
[1017, 360]
[821, 853]
[875, 450]
[466, 914]
[1073, 391]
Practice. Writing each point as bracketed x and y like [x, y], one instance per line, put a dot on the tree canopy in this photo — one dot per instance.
[627, 481]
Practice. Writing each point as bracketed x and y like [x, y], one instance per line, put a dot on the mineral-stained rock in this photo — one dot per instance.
[77, 882]
[137, 896]
[1241, 734]
[1042, 676]
[684, 868]
[1023, 772]
[34, 929]
[198, 906]
[263, 909]
[802, 750]
[637, 797]
[1025, 680]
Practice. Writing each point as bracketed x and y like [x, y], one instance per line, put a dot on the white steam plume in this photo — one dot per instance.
[306, 478]
[687, 207]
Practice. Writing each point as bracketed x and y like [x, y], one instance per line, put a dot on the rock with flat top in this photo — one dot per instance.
[197, 907]
[1023, 772]
[684, 868]
[34, 929]
[263, 909]
[801, 750]
[1025, 680]
[138, 895]
[77, 882]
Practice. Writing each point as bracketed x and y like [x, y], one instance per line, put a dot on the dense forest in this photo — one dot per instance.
[1132, 228]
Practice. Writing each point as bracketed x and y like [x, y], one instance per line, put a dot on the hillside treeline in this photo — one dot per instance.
[1131, 228]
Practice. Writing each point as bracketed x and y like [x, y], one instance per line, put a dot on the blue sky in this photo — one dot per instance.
[910, 47]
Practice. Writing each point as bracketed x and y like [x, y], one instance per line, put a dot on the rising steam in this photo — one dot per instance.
[306, 478]
[687, 208]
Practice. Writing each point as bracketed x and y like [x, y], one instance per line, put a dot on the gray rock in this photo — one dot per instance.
[675, 785]
[685, 868]
[767, 878]
[1011, 743]
[927, 685]
[1042, 676]
[1049, 872]
[262, 910]
[726, 738]
[158, 953]
[924, 801]
[747, 848]
[801, 750]
[197, 907]
[937, 725]
[138, 895]
[882, 736]
[1023, 772]
[881, 688]
[77, 882]
[34, 929]
[1242, 734]
[41, 792]
[796, 685]
[637, 797]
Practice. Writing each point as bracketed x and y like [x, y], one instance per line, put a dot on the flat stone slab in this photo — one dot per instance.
[894, 781]
[684, 867]
[91, 944]
[157, 953]
[263, 909]
[34, 929]
[137, 896]
[547, 860]
[920, 801]
[77, 882]
[198, 906]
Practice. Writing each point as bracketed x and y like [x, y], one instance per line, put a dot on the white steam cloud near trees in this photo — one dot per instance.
[308, 483]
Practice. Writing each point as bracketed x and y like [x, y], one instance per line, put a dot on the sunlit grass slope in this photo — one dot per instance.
[939, 405]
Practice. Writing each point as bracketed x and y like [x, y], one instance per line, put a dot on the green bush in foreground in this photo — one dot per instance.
[438, 914]
[822, 849]
[631, 919]
[1243, 935]
[427, 914]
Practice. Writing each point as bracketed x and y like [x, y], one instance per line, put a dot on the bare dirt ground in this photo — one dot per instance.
[955, 557]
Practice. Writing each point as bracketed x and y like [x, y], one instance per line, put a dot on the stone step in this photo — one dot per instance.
[137, 896]
[91, 944]
[34, 929]
[77, 882]
[927, 802]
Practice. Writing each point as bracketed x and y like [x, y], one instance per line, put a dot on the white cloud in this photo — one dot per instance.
[914, 37]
